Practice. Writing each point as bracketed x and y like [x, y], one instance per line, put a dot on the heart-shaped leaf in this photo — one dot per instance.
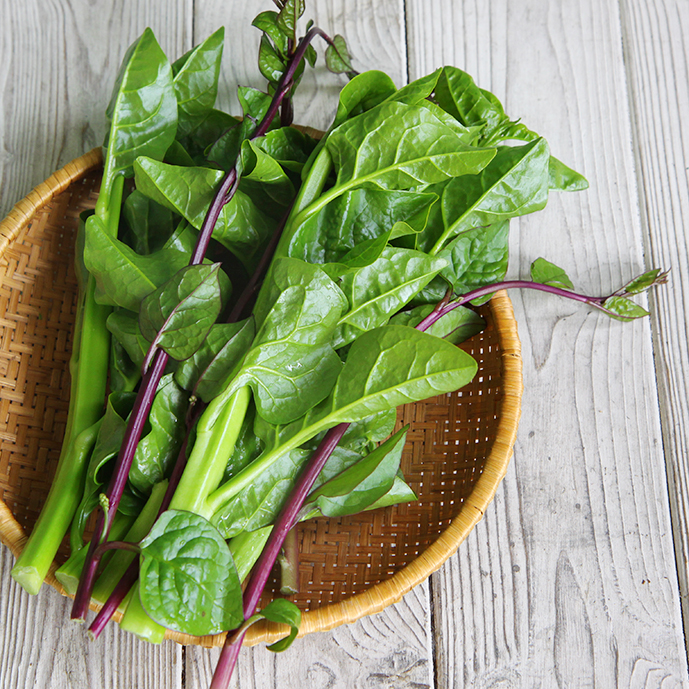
[188, 581]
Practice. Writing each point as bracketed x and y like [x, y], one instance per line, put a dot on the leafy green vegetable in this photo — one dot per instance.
[188, 579]
[549, 274]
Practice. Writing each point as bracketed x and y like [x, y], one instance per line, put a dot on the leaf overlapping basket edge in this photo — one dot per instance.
[380, 595]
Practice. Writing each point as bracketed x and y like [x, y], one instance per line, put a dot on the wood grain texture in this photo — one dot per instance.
[574, 584]
[59, 61]
[39, 647]
[657, 59]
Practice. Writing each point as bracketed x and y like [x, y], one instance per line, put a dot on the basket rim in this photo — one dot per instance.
[378, 596]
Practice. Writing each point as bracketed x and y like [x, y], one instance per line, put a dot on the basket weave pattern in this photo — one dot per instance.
[457, 450]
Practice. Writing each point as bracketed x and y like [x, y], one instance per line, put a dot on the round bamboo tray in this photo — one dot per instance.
[457, 452]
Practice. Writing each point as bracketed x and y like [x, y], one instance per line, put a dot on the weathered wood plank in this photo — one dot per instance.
[58, 63]
[657, 58]
[570, 580]
[39, 647]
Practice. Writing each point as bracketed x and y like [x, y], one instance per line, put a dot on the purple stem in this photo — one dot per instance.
[445, 307]
[261, 571]
[132, 574]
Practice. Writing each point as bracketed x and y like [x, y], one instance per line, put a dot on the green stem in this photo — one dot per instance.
[216, 435]
[246, 548]
[136, 621]
[63, 499]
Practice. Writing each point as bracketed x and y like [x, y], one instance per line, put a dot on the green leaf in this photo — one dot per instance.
[205, 372]
[457, 93]
[643, 282]
[477, 257]
[142, 110]
[514, 183]
[362, 93]
[270, 64]
[242, 227]
[177, 316]
[563, 178]
[206, 133]
[160, 443]
[196, 82]
[623, 309]
[394, 365]
[548, 273]
[151, 225]
[290, 147]
[267, 22]
[281, 611]
[188, 581]
[288, 17]
[124, 373]
[382, 288]
[107, 445]
[123, 277]
[417, 91]
[361, 484]
[337, 58]
[124, 326]
[263, 179]
[355, 217]
[398, 146]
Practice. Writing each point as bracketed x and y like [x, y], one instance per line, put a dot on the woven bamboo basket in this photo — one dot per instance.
[457, 451]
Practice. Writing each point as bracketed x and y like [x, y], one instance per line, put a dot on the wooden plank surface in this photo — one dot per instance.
[570, 580]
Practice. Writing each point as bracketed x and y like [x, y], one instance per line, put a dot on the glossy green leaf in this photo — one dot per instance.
[514, 183]
[398, 146]
[259, 503]
[270, 64]
[242, 227]
[548, 273]
[355, 217]
[206, 133]
[124, 326]
[399, 492]
[382, 288]
[177, 316]
[563, 178]
[142, 110]
[205, 372]
[150, 224]
[159, 446]
[645, 281]
[188, 581]
[477, 257]
[290, 147]
[267, 22]
[289, 16]
[623, 309]
[281, 611]
[124, 373]
[362, 93]
[107, 445]
[395, 365]
[196, 82]
[123, 277]
[361, 484]
[337, 58]
[418, 90]
[263, 179]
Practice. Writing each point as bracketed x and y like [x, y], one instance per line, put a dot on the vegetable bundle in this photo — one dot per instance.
[256, 304]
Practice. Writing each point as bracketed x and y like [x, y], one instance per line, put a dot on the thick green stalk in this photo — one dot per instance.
[136, 621]
[90, 351]
[216, 435]
[246, 548]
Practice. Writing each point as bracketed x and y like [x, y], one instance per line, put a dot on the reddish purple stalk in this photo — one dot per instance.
[261, 571]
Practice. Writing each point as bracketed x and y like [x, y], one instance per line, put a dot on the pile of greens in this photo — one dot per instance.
[254, 305]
